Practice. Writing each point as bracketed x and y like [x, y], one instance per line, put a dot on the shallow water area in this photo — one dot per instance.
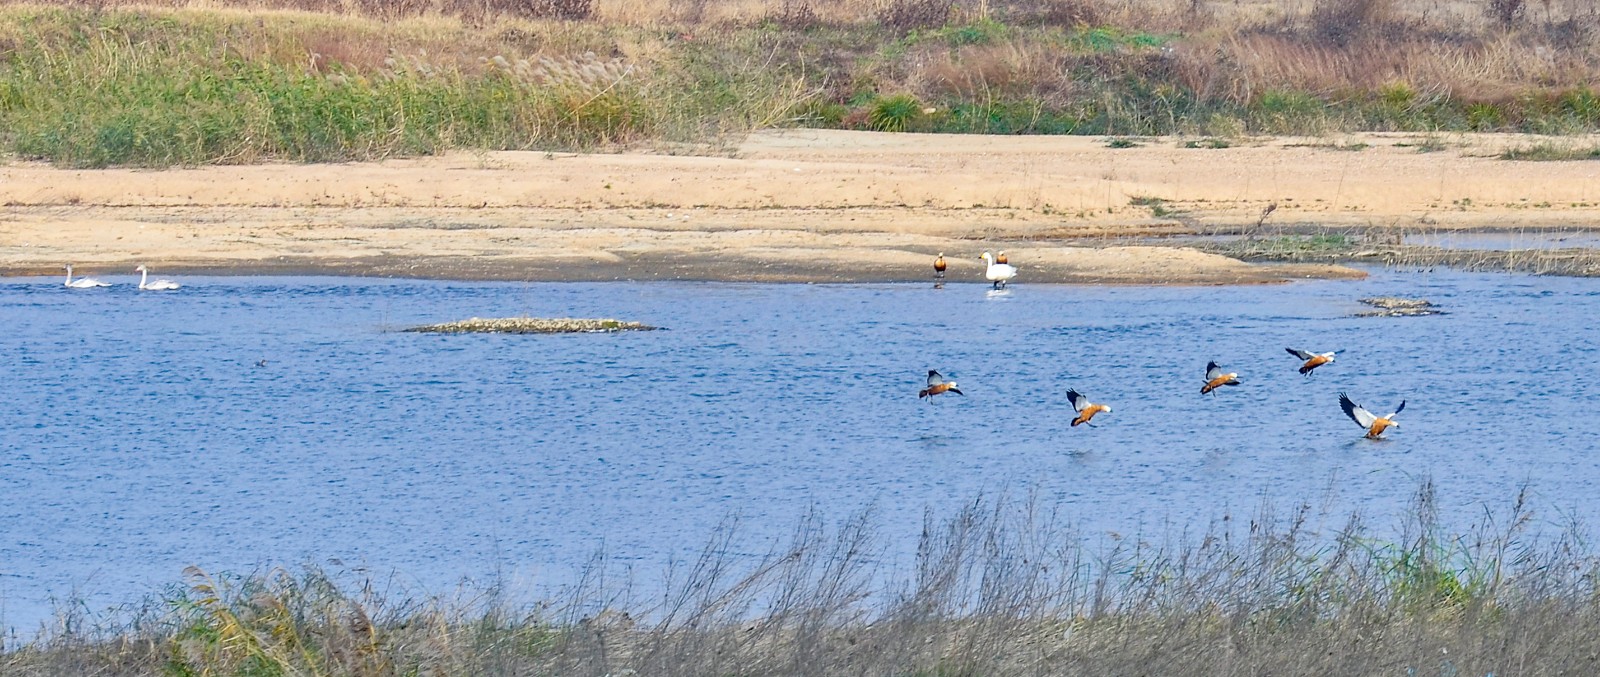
[249, 421]
[1507, 241]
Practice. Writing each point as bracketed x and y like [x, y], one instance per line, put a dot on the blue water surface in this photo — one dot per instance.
[243, 422]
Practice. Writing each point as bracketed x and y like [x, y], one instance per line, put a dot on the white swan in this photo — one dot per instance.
[82, 282]
[158, 285]
[998, 273]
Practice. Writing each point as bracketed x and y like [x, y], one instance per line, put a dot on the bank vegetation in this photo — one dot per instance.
[93, 83]
[1001, 587]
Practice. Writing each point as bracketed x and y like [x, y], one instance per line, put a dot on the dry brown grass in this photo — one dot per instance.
[1376, 45]
[999, 588]
[1329, 18]
[713, 69]
[1008, 68]
[1242, 47]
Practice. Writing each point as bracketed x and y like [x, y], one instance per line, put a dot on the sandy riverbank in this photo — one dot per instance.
[785, 206]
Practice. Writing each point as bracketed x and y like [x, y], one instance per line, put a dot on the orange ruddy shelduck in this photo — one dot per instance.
[939, 266]
[1375, 425]
[1313, 360]
[938, 384]
[1216, 378]
[1001, 259]
[1086, 409]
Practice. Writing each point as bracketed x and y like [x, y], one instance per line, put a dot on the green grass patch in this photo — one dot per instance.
[95, 97]
[983, 32]
[1318, 242]
[1427, 144]
[1550, 152]
[895, 113]
[1110, 39]
[127, 87]
[1158, 206]
[1292, 246]
[1335, 145]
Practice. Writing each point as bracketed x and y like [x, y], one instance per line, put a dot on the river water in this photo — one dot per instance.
[244, 422]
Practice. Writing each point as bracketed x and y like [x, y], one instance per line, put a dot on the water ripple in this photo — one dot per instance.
[140, 435]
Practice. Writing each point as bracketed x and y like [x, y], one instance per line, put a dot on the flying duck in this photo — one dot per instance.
[938, 384]
[1312, 360]
[1216, 378]
[1375, 425]
[1086, 409]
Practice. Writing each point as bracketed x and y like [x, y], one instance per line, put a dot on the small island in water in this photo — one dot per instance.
[1392, 306]
[531, 325]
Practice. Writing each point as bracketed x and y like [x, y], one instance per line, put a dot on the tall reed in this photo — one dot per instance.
[1001, 587]
[104, 83]
[157, 88]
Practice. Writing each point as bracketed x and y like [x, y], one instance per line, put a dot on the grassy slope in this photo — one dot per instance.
[188, 87]
[90, 86]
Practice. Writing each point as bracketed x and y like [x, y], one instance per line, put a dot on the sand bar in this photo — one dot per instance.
[797, 206]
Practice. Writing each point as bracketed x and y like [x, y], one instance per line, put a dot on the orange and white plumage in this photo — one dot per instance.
[937, 385]
[1312, 360]
[1374, 424]
[1216, 378]
[1086, 409]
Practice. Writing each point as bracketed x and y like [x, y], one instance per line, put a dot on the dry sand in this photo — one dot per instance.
[785, 206]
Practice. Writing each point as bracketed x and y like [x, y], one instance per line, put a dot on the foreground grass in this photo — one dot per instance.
[998, 589]
[97, 84]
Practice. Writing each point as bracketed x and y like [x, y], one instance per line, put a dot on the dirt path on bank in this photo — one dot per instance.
[786, 206]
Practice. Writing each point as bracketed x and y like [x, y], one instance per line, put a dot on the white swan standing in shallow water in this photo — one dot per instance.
[998, 273]
[83, 282]
[158, 285]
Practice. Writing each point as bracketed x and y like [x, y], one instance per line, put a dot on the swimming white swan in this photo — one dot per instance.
[158, 285]
[82, 282]
[998, 273]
